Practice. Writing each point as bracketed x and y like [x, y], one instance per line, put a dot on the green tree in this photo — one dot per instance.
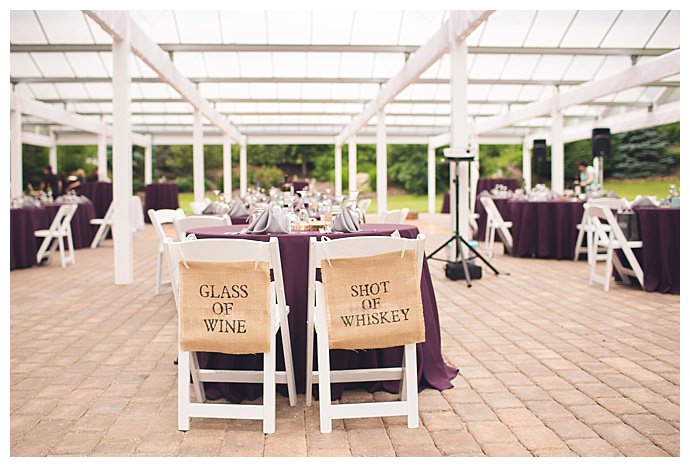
[642, 153]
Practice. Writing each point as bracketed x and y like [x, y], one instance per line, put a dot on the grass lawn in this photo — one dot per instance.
[418, 203]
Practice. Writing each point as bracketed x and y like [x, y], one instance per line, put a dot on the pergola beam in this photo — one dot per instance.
[114, 23]
[36, 139]
[463, 24]
[637, 75]
[340, 48]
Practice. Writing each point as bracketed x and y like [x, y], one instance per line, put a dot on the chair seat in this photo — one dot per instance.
[99, 222]
[49, 233]
[617, 245]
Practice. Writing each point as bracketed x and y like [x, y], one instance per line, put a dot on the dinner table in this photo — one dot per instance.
[25, 221]
[100, 194]
[483, 184]
[659, 257]
[433, 372]
[160, 196]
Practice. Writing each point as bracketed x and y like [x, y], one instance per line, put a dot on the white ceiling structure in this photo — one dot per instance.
[284, 75]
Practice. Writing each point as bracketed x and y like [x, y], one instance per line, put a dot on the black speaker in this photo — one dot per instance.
[601, 142]
[455, 271]
[539, 150]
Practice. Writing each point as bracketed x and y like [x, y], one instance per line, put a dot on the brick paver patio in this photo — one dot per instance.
[550, 366]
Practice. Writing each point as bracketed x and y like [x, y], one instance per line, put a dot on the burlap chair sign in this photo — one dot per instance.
[373, 302]
[225, 307]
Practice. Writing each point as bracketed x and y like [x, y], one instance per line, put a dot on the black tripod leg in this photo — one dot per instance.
[440, 248]
[480, 256]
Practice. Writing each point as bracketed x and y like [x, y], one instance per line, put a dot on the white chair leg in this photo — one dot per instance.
[608, 271]
[269, 402]
[182, 390]
[492, 238]
[158, 271]
[310, 357]
[198, 385]
[578, 243]
[411, 385]
[43, 249]
[403, 379]
[70, 245]
[324, 385]
[61, 245]
[287, 356]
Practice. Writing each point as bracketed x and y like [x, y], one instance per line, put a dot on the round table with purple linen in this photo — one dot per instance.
[294, 254]
[300, 185]
[160, 196]
[239, 219]
[660, 234]
[100, 194]
[24, 221]
[545, 229]
[482, 184]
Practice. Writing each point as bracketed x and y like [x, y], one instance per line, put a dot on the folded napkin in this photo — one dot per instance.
[271, 221]
[346, 221]
[215, 208]
[642, 202]
[238, 209]
[612, 194]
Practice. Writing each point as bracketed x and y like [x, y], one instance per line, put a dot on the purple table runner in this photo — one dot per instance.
[294, 252]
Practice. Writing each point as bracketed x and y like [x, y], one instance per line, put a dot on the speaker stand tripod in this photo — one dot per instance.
[457, 238]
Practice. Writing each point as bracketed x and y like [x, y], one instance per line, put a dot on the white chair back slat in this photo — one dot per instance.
[495, 223]
[184, 224]
[396, 216]
[159, 218]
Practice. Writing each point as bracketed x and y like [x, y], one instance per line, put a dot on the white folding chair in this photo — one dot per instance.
[104, 226]
[317, 320]
[183, 224]
[495, 223]
[221, 250]
[159, 218]
[55, 235]
[363, 205]
[396, 216]
[198, 207]
[585, 229]
[610, 238]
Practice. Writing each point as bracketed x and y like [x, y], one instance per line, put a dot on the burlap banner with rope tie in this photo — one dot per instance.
[225, 307]
[373, 302]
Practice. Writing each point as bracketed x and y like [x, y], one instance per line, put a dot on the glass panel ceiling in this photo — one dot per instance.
[270, 70]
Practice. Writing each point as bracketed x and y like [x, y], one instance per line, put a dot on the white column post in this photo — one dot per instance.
[352, 164]
[52, 154]
[338, 170]
[123, 245]
[198, 157]
[227, 168]
[431, 178]
[16, 182]
[459, 134]
[243, 168]
[148, 161]
[381, 163]
[103, 157]
[557, 150]
[527, 162]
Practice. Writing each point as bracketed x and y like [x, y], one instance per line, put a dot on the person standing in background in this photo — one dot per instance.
[75, 181]
[50, 181]
[587, 176]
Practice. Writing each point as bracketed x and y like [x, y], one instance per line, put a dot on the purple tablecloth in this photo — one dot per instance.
[660, 256]
[239, 219]
[482, 184]
[160, 196]
[300, 185]
[545, 229]
[294, 252]
[100, 194]
[24, 221]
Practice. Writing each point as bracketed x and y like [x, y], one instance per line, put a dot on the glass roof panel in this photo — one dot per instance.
[243, 27]
[54, 22]
[583, 67]
[346, 90]
[505, 92]
[97, 32]
[222, 64]
[613, 65]
[290, 64]
[22, 65]
[505, 28]
[548, 28]
[629, 95]
[488, 66]
[552, 67]
[99, 90]
[520, 66]
[263, 91]
[234, 90]
[71, 90]
[25, 29]
[668, 34]
[191, 64]
[256, 64]
[423, 91]
[331, 27]
[356, 65]
[443, 92]
[288, 26]
[376, 27]
[316, 90]
[323, 65]
[418, 26]
[43, 90]
[289, 90]
[198, 26]
[387, 65]
[209, 90]
[478, 92]
[588, 28]
[86, 64]
[159, 25]
[532, 92]
[633, 28]
[52, 64]
[476, 35]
